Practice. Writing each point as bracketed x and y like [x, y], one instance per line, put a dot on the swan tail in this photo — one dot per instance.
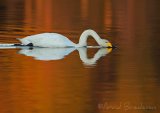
[18, 39]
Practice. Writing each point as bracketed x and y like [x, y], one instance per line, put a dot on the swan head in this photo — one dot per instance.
[105, 43]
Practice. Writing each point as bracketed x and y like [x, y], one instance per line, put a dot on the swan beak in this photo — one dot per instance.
[109, 45]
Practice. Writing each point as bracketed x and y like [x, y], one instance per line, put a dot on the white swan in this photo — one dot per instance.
[58, 40]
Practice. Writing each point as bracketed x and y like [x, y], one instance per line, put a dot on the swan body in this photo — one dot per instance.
[58, 40]
[47, 40]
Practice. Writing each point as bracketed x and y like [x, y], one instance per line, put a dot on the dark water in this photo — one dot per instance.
[124, 80]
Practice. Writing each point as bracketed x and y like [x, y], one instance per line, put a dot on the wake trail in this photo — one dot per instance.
[9, 45]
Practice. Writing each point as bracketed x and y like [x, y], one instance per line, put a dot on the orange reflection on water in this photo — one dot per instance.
[129, 74]
[36, 86]
[39, 13]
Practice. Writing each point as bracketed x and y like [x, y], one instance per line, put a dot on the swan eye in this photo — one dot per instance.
[109, 44]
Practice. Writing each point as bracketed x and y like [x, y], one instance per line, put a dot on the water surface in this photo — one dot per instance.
[126, 79]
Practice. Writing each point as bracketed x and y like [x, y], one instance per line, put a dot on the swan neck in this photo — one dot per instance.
[84, 36]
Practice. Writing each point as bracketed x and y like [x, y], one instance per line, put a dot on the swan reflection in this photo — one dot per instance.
[91, 61]
[48, 54]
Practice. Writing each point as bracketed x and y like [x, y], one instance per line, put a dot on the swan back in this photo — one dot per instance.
[47, 40]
